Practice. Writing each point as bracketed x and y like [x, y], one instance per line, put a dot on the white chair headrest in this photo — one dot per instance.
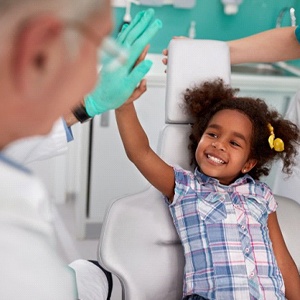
[191, 62]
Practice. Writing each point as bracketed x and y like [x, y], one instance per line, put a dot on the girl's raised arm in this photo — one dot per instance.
[136, 144]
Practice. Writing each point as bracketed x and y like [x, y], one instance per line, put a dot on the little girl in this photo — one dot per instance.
[224, 216]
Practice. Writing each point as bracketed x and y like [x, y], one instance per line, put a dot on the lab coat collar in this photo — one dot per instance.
[14, 164]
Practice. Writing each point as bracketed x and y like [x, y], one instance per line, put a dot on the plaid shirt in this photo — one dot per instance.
[224, 232]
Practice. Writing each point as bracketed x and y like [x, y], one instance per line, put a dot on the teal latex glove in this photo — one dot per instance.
[115, 87]
[297, 33]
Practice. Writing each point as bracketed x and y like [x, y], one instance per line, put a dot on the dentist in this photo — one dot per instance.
[105, 96]
[48, 58]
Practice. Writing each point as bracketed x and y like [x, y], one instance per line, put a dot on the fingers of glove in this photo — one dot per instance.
[149, 33]
[136, 28]
[138, 73]
[125, 29]
[141, 43]
[122, 31]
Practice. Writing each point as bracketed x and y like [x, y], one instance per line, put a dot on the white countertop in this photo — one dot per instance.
[157, 77]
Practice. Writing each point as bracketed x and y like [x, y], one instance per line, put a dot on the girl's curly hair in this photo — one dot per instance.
[204, 100]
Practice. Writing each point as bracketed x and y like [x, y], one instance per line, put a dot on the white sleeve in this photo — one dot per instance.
[31, 268]
[39, 147]
[91, 281]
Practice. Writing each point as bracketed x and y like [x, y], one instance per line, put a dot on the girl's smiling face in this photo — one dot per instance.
[224, 148]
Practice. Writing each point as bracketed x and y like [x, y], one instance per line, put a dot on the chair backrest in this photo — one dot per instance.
[288, 213]
[138, 242]
[140, 246]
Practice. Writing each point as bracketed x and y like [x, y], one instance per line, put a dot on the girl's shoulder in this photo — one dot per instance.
[265, 188]
[260, 191]
[183, 174]
[254, 188]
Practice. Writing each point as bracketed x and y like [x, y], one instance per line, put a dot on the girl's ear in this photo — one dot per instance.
[249, 165]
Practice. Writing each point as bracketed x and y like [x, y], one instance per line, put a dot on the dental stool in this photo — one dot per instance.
[138, 242]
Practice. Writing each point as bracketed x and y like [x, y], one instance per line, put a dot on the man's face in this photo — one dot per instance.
[79, 76]
[51, 81]
[40, 80]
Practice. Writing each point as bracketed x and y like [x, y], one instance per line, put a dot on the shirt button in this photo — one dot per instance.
[247, 250]
[243, 227]
[252, 274]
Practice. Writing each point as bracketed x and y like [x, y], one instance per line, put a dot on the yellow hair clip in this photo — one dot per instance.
[277, 143]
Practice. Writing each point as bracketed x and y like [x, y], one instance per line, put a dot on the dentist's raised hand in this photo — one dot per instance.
[115, 87]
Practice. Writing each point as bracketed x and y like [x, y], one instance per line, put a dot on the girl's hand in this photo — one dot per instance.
[137, 93]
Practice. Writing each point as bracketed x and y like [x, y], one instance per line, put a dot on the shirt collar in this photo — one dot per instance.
[207, 179]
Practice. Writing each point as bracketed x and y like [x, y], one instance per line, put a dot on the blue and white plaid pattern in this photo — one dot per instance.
[225, 237]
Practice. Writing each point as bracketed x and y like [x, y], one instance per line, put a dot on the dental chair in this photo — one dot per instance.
[288, 213]
[138, 242]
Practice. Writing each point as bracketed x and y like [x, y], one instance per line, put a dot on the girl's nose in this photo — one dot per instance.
[218, 145]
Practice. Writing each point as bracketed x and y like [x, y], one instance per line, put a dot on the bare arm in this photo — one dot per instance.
[273, 45]
[136, 144]
[285, 262]
[268, 46]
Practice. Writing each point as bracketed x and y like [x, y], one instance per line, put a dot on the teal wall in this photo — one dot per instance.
[211, 22]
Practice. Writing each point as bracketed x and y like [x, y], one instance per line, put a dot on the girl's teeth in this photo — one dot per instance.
[217, 160]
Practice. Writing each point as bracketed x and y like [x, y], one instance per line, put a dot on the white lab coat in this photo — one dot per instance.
[283, 185]
[40, 147]
[32, 267]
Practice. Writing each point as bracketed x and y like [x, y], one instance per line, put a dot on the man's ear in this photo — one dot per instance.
[38, 53]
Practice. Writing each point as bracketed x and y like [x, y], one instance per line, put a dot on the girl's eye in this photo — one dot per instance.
[211, 134]
[235, 144]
